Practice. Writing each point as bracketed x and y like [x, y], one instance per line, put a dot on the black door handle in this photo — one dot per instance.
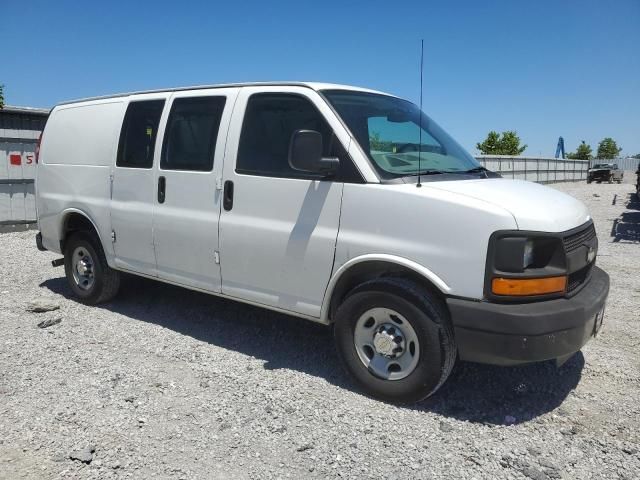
[227, 196]
[162, 185]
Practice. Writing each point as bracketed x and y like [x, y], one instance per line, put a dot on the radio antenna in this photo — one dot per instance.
[420, 114]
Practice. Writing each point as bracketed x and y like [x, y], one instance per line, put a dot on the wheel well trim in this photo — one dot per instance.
[65, 218]
[421, 270]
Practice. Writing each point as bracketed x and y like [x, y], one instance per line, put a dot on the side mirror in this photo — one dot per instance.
[305, 153]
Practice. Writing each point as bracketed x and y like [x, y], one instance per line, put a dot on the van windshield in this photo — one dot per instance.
[388, 130]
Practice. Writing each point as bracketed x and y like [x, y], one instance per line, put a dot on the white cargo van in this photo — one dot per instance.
[305, 198]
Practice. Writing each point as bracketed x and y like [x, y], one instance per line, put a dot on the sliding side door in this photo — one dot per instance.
[187, 204]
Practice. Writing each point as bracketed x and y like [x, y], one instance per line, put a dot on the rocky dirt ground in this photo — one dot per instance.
[167, 383]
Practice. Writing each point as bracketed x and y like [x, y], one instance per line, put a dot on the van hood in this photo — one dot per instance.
[534, 207]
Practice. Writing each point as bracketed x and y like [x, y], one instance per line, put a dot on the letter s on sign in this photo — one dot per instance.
[29, 159]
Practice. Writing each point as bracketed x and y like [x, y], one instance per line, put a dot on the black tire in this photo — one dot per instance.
[106, 281]
[429, 318]
[588, 181]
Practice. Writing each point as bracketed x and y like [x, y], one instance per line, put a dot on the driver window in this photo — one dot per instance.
[270, 120]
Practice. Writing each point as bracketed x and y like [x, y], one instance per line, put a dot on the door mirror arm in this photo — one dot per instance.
[329, 166]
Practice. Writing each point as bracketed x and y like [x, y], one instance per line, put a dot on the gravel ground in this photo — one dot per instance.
[168, 383]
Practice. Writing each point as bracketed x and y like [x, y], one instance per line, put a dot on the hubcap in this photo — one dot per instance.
[82, 267]
[386, 343]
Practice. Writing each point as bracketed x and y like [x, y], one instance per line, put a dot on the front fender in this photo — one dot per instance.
[421, 270]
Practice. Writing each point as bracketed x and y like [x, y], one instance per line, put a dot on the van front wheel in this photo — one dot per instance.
[395, 339]
[87, 271]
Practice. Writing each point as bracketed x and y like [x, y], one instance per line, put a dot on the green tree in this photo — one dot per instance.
[637, 155]
[507, 143]
[1, 96]
[375, 143]
[608, 148]
[491, 144]
[583, 152]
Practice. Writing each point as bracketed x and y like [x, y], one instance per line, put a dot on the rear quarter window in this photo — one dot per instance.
[139, 131]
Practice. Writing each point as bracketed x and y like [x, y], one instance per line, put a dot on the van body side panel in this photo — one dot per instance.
[77, 150]
[131, 219]
[446, 233]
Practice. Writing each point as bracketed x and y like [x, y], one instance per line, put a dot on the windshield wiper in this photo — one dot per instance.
[478, 169]
[455, 172]
[475, 170]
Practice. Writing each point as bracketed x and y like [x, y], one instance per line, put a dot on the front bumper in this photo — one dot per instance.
[512, 334]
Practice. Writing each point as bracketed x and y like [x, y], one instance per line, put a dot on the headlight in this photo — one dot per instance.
[522, 264]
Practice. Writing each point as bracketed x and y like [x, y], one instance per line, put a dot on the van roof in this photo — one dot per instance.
[313, 85]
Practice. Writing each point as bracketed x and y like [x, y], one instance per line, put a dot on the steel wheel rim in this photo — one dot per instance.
[82, 267]
[386, 343]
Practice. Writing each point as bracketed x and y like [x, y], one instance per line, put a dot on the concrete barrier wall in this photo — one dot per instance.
[536, 169]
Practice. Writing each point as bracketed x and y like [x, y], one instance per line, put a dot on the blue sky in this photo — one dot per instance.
[544, 68]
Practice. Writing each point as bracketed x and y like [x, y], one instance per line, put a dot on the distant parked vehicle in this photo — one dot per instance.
[605, 172]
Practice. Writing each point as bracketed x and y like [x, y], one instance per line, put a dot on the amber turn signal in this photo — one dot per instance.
[528, 286]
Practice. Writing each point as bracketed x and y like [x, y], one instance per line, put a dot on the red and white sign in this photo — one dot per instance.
[17, 159]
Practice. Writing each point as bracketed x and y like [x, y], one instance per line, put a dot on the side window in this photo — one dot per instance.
[269, 121]
[138, 134]
[191, 133]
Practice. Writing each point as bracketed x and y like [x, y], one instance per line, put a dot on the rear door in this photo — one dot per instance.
[133, 187]
[279, 226]
[187, 204]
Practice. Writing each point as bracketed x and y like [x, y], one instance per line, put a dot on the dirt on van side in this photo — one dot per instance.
[167, 383]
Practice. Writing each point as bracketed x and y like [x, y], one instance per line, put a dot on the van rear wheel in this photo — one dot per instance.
[395, 339]
[89, 276]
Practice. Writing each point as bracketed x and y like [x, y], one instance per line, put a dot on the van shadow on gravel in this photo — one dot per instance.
[474, 392]
[627, 226]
